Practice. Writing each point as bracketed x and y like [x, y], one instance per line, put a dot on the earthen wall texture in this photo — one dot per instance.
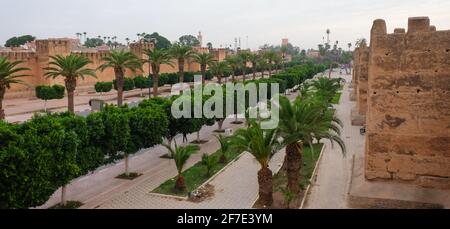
[39, 59]
[408, 117]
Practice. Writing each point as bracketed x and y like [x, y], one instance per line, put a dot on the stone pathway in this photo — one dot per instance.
[330, 190]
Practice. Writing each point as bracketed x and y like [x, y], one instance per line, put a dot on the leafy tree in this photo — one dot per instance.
[49, 93]
[205, 60]
[180, 156]
[262, 66]
[72, 68]
[189, 40]
[93, 42]
[300, 122]
[182, 53]
[120, 61]
[262, 144]
[60, 146]
[18, 41]
[9, 74]
[160, 41]
[156, 58]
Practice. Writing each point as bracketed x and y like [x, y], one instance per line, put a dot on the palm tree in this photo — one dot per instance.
[127, 40]
[270, 57]
[326, 87]
[156, 58]
[283, 50]
[8, 76]
[262, 144]
[181, 53]
[218, 69]
[234, 62]
[71, 68]
[120, 61]
[305, 119]
[263, 65]
[180, 155]
[224, 143]
[244, 56]
[205, 60]
[328, 31]
[254, 58]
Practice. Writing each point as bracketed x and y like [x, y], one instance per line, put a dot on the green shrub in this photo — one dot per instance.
[142, 82]
[128, 84]
[50, 92]
[103, 87]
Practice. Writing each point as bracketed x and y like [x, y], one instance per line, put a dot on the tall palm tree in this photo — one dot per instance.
[157, 57]
[263, 65]
[326, 87]
[218, 69]
[8, 76]
[284, 51]
[205, 60]
[120, 61]
[244, 56]
[328, 31]
[182, 53]
[270, 57]
[262, 144]
[180, 155]
[72, 68]
[305, 119]
[254, 58]
[235, 63]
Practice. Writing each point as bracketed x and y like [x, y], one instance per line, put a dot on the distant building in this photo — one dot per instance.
[284, 42]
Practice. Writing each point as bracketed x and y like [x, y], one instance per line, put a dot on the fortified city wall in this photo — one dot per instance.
[38, 59]
[408, 114]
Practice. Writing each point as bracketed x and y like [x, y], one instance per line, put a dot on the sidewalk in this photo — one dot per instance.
[330, 190]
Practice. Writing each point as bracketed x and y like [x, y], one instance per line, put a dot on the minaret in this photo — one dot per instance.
[200, 38]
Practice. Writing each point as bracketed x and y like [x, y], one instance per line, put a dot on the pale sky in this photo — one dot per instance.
[220, 21]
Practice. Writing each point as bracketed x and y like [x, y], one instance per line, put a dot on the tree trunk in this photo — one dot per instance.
[265, 186]
[262, 74]
[220, 124]
[150, 69]
[232, 78]
[198, 136]
[293, 163]
[119, 82]
[155, 83]
[127, 170]
[63, 196]
[45, 106]
[169, 142]
[180, 184]
[219, 79]
[270, 70]
[203, 70]
[254, 73]
[331, 69]
[70, 101]
[181, 70]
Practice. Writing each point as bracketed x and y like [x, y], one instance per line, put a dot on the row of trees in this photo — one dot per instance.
[306, 119]
[41, 155]
[181, 154]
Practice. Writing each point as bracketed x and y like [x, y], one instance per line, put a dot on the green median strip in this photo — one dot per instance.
[195, 176]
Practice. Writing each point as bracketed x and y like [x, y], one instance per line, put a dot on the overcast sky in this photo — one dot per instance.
[263, 21]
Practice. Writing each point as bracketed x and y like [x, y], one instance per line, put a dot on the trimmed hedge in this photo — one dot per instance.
[50, 92]
[128, 84]
[103, 87]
